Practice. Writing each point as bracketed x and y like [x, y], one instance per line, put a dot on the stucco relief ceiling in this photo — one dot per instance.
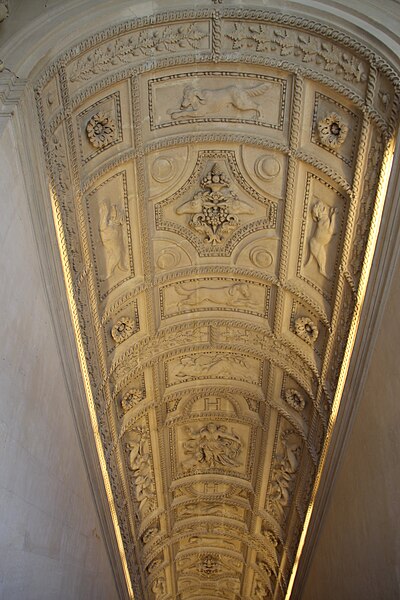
[214, 176]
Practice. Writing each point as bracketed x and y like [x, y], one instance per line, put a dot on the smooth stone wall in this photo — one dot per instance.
[51, 545]
[357, 556]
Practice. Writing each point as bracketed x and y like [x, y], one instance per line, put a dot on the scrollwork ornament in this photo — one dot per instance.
[131, 399]
[332, 131]
[122, 329]
[100, 130]
[306, 330]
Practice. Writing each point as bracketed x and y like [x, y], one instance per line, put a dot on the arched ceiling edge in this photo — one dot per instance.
[217, 180]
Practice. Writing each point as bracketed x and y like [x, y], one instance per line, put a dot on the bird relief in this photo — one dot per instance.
[214, 211]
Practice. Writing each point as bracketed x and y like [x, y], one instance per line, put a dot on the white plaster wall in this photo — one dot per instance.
[357, 556]
[50, 541]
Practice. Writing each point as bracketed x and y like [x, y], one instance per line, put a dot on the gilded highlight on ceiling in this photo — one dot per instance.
[217, 180]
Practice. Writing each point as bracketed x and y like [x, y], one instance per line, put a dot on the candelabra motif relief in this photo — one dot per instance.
[283, 475]
[215, 212]
[138, 444]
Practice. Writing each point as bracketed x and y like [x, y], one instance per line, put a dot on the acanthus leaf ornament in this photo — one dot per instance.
[214, 211]
[147, 43]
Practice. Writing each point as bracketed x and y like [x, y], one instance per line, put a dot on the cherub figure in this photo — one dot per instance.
[112, 234]
[325, 219]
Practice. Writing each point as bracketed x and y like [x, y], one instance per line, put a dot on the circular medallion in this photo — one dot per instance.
[163, 169]
[267, 167]
[168, 259]
[260, 257]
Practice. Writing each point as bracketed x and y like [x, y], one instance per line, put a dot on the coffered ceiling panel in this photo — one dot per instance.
[214, 176]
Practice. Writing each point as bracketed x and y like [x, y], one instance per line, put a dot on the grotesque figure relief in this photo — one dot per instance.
[214, 212]
[159, 587]
[138, 443]
[283, 474]
[113, 237]
[324, 217]
[212, 446]
[236, 294]
[207, 103]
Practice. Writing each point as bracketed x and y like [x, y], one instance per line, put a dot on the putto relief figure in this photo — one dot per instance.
[113, 237]
[324, 217]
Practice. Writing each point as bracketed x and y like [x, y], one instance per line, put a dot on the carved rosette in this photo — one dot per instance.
[306, 329]
[295, 399]
[122, 329]
[332, 131]
[101, 130]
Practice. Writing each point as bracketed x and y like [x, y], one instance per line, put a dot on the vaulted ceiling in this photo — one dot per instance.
[214, 177]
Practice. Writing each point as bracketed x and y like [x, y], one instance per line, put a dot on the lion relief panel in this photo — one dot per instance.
[212, 365]
[214, 294]
[181, 99]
